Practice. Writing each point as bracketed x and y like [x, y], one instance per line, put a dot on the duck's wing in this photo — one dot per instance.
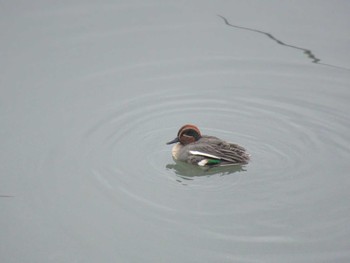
[232, 152]
[220, 153]
[203, 159]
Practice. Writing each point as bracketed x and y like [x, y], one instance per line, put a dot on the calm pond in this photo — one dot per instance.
[91, 91]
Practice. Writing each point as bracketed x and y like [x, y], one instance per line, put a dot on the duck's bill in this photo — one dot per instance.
[173, 141]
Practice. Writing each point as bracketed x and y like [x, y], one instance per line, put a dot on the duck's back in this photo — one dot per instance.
[229, 153]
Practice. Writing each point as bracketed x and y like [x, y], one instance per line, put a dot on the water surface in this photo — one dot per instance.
[92, 92]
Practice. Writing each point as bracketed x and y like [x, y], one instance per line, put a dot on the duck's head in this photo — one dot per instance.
[187, 134]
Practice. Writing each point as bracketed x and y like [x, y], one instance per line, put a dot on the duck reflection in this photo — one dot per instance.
[188, 171]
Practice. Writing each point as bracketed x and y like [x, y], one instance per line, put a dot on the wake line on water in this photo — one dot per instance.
[307, 52]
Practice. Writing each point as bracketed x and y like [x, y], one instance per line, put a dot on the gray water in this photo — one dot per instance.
[92, 91]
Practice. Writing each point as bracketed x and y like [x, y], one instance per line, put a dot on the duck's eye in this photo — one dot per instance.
[192, 133]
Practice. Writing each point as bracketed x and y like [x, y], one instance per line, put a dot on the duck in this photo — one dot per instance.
[204, 150]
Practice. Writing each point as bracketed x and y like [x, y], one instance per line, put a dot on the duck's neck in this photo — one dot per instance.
[176, 150]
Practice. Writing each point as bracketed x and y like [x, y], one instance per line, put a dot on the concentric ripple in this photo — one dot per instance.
[286, 132]
[113, 161]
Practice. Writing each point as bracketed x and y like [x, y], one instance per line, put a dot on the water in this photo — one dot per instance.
[92, 92]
